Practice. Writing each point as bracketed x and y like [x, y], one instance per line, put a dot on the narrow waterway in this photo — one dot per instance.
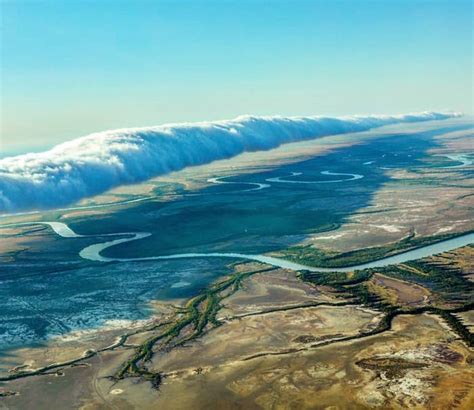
[93, 252]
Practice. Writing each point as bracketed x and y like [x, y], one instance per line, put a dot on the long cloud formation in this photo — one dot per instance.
[93, 164]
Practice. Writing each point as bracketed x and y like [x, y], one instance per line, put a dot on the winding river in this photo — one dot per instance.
[257, 185]
[463, 159]
[295, 174]
[93, 252]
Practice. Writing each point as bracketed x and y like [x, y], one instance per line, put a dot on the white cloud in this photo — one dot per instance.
[95, 163]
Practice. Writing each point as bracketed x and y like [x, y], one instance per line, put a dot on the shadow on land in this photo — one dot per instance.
[224, 219]
[43, 297]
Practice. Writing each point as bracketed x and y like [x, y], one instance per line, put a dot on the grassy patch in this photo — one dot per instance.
[309, 255]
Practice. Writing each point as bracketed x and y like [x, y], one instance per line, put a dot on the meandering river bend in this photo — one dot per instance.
[94, 252]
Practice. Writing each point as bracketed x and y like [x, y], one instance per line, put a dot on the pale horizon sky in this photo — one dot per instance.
[72, 68]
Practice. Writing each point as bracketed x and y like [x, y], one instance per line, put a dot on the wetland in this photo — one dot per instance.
[142, 332]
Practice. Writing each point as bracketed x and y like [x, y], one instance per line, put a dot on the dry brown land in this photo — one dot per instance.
[274, 350]
[399, 292]
[407, 367]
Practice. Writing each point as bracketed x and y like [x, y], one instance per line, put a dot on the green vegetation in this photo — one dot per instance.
[391, 367]
[8, 393]
[190, 322]
[308, 255]
[337, 280]
[445, 280]
[456, 325]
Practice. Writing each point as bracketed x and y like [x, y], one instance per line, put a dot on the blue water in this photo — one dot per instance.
[43, 296]
[42, 305]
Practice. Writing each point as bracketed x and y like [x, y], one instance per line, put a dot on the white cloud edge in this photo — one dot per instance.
[95, 163]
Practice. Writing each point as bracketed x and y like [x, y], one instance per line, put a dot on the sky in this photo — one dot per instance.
[69, 68]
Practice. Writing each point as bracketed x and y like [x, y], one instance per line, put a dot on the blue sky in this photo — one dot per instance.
[74, 67]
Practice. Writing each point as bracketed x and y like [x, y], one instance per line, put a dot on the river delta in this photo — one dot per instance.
[329, 273]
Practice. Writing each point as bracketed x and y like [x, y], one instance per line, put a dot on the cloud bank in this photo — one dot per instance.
[93, 164]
